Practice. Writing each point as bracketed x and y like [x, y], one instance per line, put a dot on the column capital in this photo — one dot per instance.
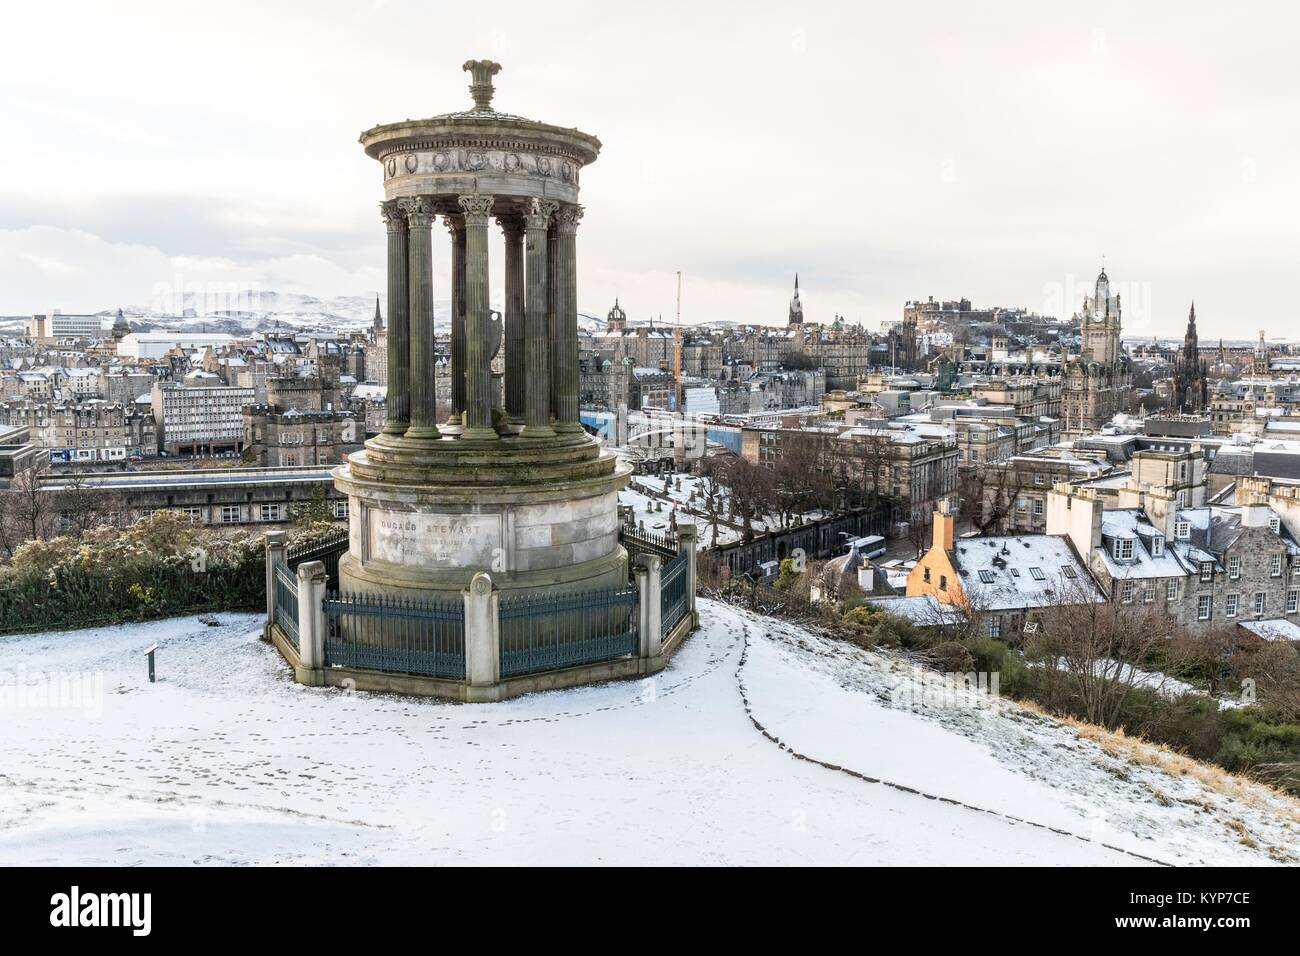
[393, 216]
[418, 209]
[455, 224]
[477, 208]
[539, 213]
[566, 219]
[512, 224]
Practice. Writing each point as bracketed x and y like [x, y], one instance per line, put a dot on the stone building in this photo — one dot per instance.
[796, 307]
[218, 496]
[1191, 393]
[91, 430]
[1204, 567]
[912, 465]
[1098, 382]
[276, 438]
[1000, 581]
[200, 418]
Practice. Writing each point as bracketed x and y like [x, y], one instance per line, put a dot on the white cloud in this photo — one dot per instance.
[884, 154]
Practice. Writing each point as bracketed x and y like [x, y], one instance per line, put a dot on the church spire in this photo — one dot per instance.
[379, 319]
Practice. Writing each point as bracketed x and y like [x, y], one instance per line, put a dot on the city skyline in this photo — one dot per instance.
[955, 178]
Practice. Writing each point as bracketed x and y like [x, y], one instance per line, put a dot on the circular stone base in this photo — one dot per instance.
[540, 517]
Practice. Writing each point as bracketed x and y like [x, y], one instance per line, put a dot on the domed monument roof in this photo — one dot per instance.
[480, 150]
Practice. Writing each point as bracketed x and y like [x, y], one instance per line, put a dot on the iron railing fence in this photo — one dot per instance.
[397, 635]
[286, 601]
[645, 542]
[674, 601]
[327, 550]
[550, 632]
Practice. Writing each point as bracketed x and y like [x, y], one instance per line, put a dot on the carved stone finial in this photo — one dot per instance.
[482, 72]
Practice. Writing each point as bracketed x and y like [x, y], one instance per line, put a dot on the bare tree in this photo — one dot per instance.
[988, 494]
[751, 492]
[1097, 647]
[28, 510]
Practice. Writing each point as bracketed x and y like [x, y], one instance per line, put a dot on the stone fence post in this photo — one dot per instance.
[312, 581]
[647, 568]
[482, 631]
[275, 545]
[688, 540]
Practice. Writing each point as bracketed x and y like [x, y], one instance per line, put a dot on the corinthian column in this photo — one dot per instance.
[419, 218]
[397, 404]
[552, 330]
[456, 227]
[479, 347]
[537, 360]
[513, 227]
[566, 319]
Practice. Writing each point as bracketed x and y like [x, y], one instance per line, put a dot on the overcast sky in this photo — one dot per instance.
[885, 152]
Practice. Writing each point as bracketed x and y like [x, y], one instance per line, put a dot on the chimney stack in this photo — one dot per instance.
[943, 527]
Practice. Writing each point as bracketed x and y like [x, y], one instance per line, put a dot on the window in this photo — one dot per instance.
[1182, 530]
[1207, 570]
[1021, 504]
[1274, 524]
[1015, 572]
[1069, 572]
[194, 514]
[995, 626]
[1171, 589]
[1234, 567]
[1292, 601]
[341, 508]
[1126, 590]
[1157, 545]
[1038, 506]
[1123, 549]
[1261, 601]
[1276, 570]
[270, 512]
[1038, 478]
[1204, 607]
[230, 514]
[943, 582]
[1148, 592]
[1037, 574]
[986, 577]
[1230, 605]
[925, 575]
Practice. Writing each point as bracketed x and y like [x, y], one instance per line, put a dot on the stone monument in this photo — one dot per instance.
[505, 480]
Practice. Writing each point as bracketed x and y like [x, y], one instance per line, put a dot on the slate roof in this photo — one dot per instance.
[1022, 571]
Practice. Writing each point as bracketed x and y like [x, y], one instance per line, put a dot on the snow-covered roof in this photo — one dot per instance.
[1274, 629]
[923, 609]
[1021, 571]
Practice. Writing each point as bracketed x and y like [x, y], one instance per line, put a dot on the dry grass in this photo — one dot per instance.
[1136, 750]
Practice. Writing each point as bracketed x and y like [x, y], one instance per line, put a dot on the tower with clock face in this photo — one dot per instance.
[1098, 380]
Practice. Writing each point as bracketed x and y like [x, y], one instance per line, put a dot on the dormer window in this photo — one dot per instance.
[1123, 549]
[1182, 530]
[1157, 545]
[1274, 524]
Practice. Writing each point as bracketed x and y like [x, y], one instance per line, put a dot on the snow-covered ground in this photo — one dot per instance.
[636, 496]
[226, 760]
